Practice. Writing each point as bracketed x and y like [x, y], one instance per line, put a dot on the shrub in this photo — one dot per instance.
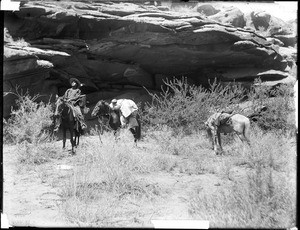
[30, 127]
[186, 107]
[106, 187]
[264, 197]
[30, 121]
[279, 106]
[248, 206]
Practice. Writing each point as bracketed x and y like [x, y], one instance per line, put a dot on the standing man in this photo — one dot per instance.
[128, 111]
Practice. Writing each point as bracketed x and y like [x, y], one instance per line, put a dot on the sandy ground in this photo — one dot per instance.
[31, 199]
[27, 200]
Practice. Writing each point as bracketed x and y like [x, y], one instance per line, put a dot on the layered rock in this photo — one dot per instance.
[119, 48]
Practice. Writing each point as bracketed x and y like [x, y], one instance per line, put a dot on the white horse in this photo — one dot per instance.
[227, 123]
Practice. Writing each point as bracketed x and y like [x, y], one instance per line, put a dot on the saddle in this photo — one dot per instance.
[225, 118]
[77, 115]
[73, 109]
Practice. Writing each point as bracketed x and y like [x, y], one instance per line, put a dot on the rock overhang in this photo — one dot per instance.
[129, 44]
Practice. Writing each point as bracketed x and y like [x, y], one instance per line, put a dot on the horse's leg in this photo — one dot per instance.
[64, 137]
[78, 137]
[77, 133]
[244, 139]
[210, 137]
[116, 135]
[71, 139]
[247, 133]
[215, 144]
[243, 133]
[215, 134]
[138, 129]
[100, 132]
[219, 142]
[240, 136]
[133, 131]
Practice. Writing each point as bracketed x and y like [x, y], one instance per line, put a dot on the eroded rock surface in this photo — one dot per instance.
[115, 48]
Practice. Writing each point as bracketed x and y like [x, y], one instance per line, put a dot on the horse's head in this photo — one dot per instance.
[101, 109]
[59, 105]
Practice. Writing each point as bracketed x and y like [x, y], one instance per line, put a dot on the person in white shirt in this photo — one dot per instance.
[128, 111]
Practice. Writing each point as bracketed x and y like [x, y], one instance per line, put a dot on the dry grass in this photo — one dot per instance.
[106, 189]
[109, 187]
[264, 197]
[112, 182]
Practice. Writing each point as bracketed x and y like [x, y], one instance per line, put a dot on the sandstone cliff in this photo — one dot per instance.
[117, 48]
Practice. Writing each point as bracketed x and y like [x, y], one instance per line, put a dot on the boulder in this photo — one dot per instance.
[207, 10]
[267, 24]
[231, 15]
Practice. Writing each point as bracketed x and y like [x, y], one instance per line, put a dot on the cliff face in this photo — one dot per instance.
[115, 48]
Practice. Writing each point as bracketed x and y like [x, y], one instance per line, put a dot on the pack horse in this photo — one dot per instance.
[103, 111]
[227, 123]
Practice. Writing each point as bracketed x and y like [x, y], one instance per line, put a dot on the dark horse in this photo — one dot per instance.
[102, 110]
[68, 122]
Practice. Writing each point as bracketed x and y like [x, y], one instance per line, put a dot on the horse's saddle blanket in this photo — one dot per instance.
[221, 119]
[225, 118]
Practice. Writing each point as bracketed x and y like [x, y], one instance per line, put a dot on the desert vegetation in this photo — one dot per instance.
[115, 184]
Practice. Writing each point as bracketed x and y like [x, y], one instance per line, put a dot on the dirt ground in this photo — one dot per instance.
[27, 201]
[31, 197]
[30, 200]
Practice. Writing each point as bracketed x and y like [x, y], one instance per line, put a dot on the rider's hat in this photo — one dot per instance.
[114, 101]
[76, 80]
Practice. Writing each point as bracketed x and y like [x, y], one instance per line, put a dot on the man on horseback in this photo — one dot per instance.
[128, 111]
[73, 97]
